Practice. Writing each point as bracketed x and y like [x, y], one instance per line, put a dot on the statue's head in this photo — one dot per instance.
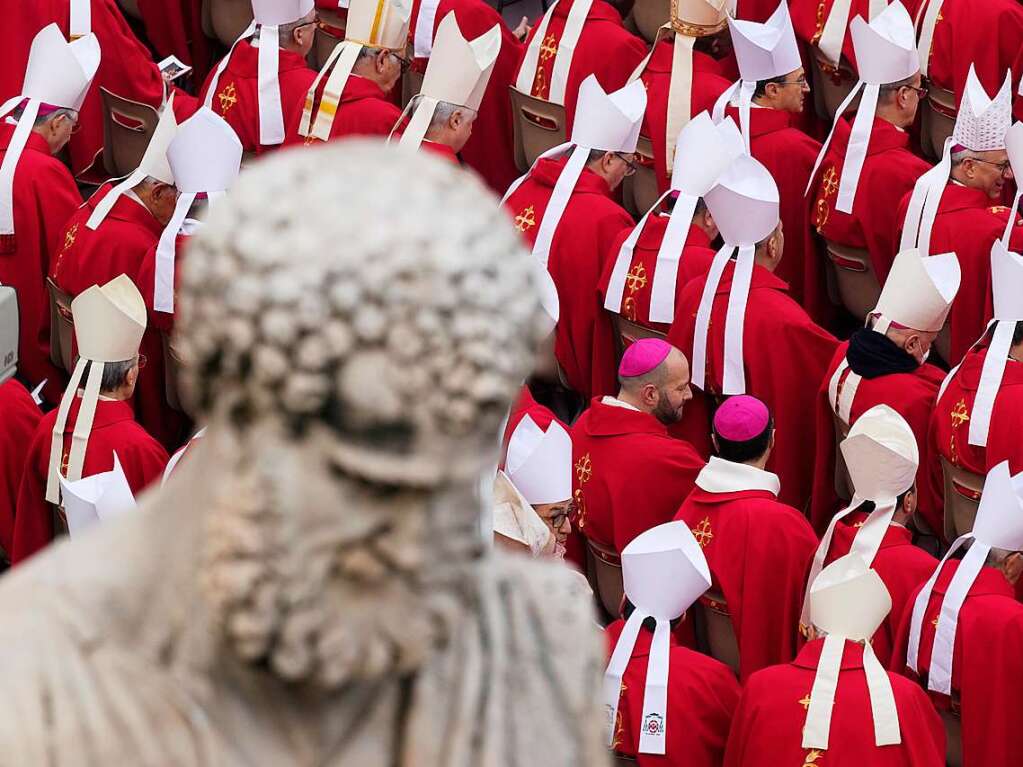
[356, 321]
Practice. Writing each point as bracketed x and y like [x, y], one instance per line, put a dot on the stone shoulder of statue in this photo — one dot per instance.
[311, 587]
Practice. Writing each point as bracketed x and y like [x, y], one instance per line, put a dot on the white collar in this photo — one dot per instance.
[615, 402]
[721, 476]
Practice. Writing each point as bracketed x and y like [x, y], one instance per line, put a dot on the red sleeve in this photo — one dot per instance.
[33, 525]
[58, 199]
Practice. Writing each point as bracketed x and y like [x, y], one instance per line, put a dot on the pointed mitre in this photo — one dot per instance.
[664, 571]
[886, 46]
[459, 69]
[700, 18]
[609, 121]
[982, 121]
[276, 13]
[205, 154]
[379, 23]
[918, 292]
[999, 522]
[767, 50]
[704, 151]
[849, 600]
[539, 462]
[109, 321]
[744, 203]
[881, 455]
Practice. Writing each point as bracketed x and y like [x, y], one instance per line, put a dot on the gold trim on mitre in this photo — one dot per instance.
[689, 29]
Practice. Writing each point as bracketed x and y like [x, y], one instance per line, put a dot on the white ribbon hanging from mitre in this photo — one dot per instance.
[998, 525]
[704, 152]
[109, 321]
[205, 156]
[926, 21]
[848, 601]
[153, 165]
[457, 73]
[918, 293]
[663, 573]
[882, 457]
[885, 53]
[79, 19]
[832, 38]
[981, 126]
[564, 51]
[58, 75]
[763, 51]
[96, 498]
[744, 204]
[379, 24]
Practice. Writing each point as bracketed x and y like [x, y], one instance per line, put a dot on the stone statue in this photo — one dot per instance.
[311, 586]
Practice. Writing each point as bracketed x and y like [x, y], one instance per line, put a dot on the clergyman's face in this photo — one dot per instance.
[675, 392]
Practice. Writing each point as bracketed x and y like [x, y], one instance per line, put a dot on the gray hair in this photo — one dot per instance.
[285, 32]
[442, 114]
[114, 374]
[960, 156]
[42, 119]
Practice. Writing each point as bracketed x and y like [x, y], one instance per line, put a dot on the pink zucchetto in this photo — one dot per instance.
[643, 356]
[741, 418]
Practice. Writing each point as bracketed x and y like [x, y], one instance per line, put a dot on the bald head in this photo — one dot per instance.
[661, 391]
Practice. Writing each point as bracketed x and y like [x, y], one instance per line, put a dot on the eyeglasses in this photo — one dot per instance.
[1003, 167]
[920, 92]
[801, 82]
[558, 518]
[142, 361]
[406, 64]
[315, 22]
[630, 163]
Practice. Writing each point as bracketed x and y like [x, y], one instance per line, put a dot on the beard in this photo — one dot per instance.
[665, 412]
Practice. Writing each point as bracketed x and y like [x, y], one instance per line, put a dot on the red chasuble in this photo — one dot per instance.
[442, 151]
[789, 154]
[93, 257]
[985, 34]
[759, 552]
[967, 224]
[889, 172]
[174, 28]
[786, 355]
[767, 730]
[126, 67]
[709, 82]
[236, 97]
[912, 396]
[113, 429]
[45, 196]
[629, 474]
[605, 49]
[987, 665]
[950, 422]
[20, 416]
[591, 223]
[364, 110]
[490, 151]
[702, 695]
[902, 566]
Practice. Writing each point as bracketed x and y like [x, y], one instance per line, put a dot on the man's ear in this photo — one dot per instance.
[1012, 567]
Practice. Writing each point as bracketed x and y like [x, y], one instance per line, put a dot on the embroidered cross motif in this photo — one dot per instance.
[64, 462]
[823, 213]
[580, 505]
[629, 309]
[228, 98]
[819, 30]
[526, 219]
[810, 760]
[636, 278]
[959, 414]
[805, 702]
[829, 183]
[69, 238]
[584, 469]
[618, 721]
[703, 533]
[549, 48]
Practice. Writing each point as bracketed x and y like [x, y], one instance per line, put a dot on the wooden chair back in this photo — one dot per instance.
[628, 332]
[639, 191]
[649, 16]
[171, 373]
[329, 32]
[227, 19]
[604, 570]
[131, 9]
[621, 760]
[62, 328]
[715, 634]
[937, 120]
[953, 735]
[538, 126]
[843, 483]
[858, 286]
[943, 344]
[830, 84]
[962, 498]
[127, 128]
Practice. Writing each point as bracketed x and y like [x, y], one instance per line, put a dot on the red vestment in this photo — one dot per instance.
[490, 150]
[702, 695]
[950, 422]
[364, 110]
[45, 196]
[591, 222]
[605, 48]
[126, 67]
[767, 729]
[94, 257]
[809, 17]
[146, 283]
[911, 395]
[785, 356]
[20, 416]
[629, 474]
[527, 405]
[443, 151]
[985, 35]
[789, 154]
[113, 429]
[759, 552]
[967, 224]
[987, 664]
[889, 171]
[236, 97]
[174, 28]
[902, 566]
[709, 82]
